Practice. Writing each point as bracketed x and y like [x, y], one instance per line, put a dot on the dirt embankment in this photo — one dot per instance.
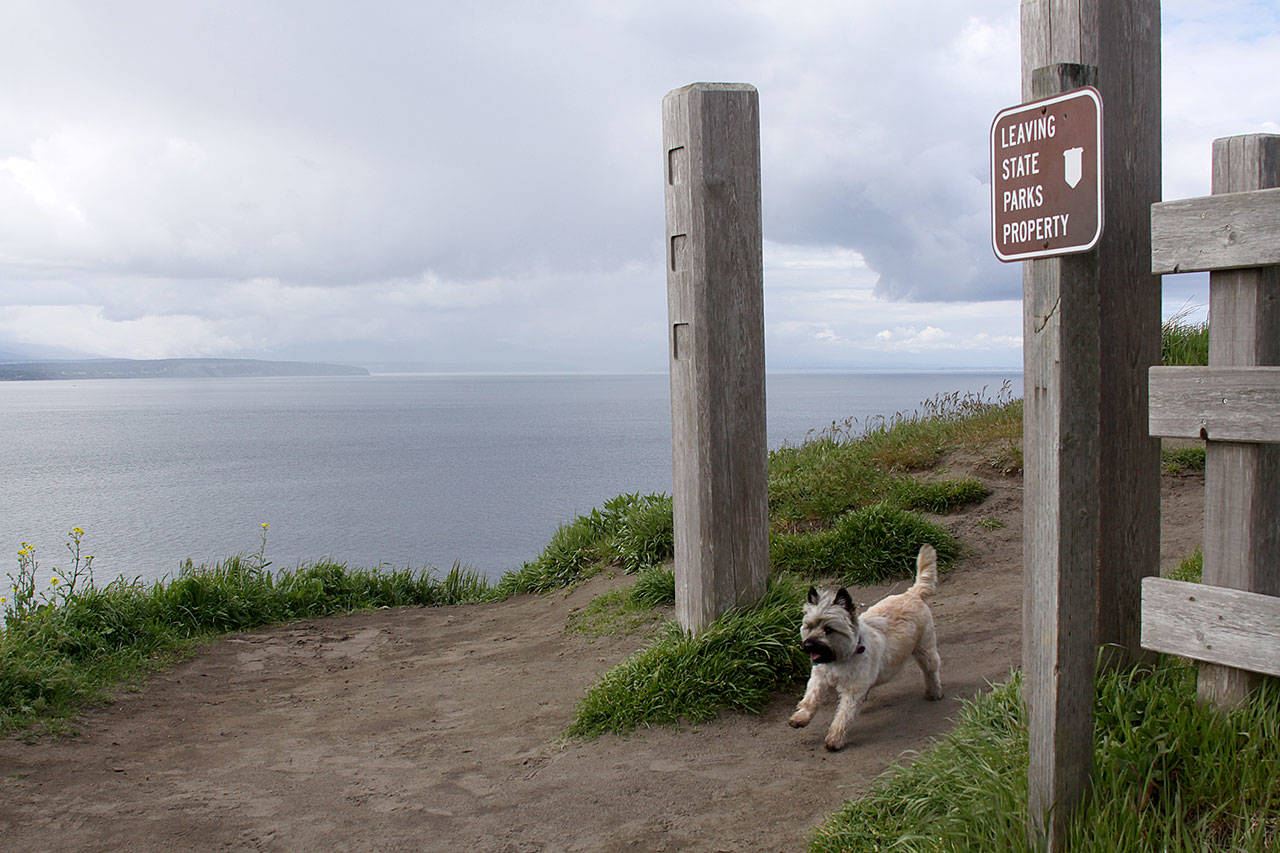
[439, 729]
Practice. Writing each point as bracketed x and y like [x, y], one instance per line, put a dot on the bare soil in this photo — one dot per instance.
[440, 729]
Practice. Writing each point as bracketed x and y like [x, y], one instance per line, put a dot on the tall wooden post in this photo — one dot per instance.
[715, 302]
[1060, 517]
[1242, 480]
[1121, 38]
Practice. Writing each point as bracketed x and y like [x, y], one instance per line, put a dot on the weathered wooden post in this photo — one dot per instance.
[1122, 39]
[1092, 470]
[715, 302]
[1060, 519]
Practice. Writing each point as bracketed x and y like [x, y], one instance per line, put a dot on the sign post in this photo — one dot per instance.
[1038, 151]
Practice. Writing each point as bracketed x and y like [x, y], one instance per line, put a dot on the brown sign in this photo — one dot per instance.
[1046, 177]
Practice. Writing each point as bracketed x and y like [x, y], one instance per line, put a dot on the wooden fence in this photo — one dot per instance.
[1231, 622]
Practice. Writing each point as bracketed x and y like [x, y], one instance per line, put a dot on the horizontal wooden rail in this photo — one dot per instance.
[1212, 623]
[1217, 232]
[1216, 403]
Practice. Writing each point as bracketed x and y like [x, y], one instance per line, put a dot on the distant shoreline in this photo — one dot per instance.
[173, 368]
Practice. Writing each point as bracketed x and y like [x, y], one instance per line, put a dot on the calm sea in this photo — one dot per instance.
[400, 470]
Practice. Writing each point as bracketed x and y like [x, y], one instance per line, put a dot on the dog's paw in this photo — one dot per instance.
[799, 720]
[833, 744]
[934, 695]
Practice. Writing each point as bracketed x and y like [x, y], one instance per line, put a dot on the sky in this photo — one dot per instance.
[478, 186]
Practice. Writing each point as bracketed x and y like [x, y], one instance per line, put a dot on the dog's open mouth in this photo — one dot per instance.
[819, 653]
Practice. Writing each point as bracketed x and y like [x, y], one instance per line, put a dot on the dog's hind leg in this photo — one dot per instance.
[926, 654]
[808, 703]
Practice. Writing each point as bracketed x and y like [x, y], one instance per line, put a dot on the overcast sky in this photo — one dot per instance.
[477, 186]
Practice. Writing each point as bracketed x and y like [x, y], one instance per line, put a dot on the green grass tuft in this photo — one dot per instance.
[633, 531]
[1184, 343]
[738, 662]
[1182, 459]
[655, 587]
[1191, 569]
[645, 536]
[863, 547]
[940, 496]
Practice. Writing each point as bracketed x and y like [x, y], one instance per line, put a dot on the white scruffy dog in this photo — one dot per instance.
[854, 653]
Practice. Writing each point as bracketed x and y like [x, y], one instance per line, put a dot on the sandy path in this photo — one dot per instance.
[415, 729]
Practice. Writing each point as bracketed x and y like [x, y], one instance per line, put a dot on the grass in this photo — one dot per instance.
[1169, 774]
[1184, 343]
[633, 531]
[863, 547]
[846, 467]
[655, 587]
[1181, 460]
[1190, 569]
[617, 613]
[55, 659]
[738, 662]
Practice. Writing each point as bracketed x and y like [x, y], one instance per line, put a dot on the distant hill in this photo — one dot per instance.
[181, 368]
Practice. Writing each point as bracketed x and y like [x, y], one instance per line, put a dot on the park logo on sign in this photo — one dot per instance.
[1046, 177]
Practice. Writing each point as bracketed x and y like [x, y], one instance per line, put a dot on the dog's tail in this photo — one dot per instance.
[926, 572]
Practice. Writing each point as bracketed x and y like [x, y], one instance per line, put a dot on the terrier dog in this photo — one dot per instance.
[852, 654]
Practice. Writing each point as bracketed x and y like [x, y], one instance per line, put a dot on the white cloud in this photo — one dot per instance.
[84, 328]
[480, 184]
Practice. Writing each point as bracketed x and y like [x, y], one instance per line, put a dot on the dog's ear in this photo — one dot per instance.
[812, 597]
[844, 600]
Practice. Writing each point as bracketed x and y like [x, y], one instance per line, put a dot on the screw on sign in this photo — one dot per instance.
[1046, 177]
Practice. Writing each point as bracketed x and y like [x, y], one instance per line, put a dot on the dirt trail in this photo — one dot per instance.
[415, 729]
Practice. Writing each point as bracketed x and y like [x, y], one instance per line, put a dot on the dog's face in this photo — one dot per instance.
[829, 626]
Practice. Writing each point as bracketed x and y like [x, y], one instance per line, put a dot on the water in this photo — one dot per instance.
[400, 470]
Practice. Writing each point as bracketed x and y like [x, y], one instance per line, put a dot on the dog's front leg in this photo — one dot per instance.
[851, 699]
[808, 703]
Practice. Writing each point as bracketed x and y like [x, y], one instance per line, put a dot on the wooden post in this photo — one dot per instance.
[715, 302]
[1121, 38]
[1242, 480]
[1060, 516]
